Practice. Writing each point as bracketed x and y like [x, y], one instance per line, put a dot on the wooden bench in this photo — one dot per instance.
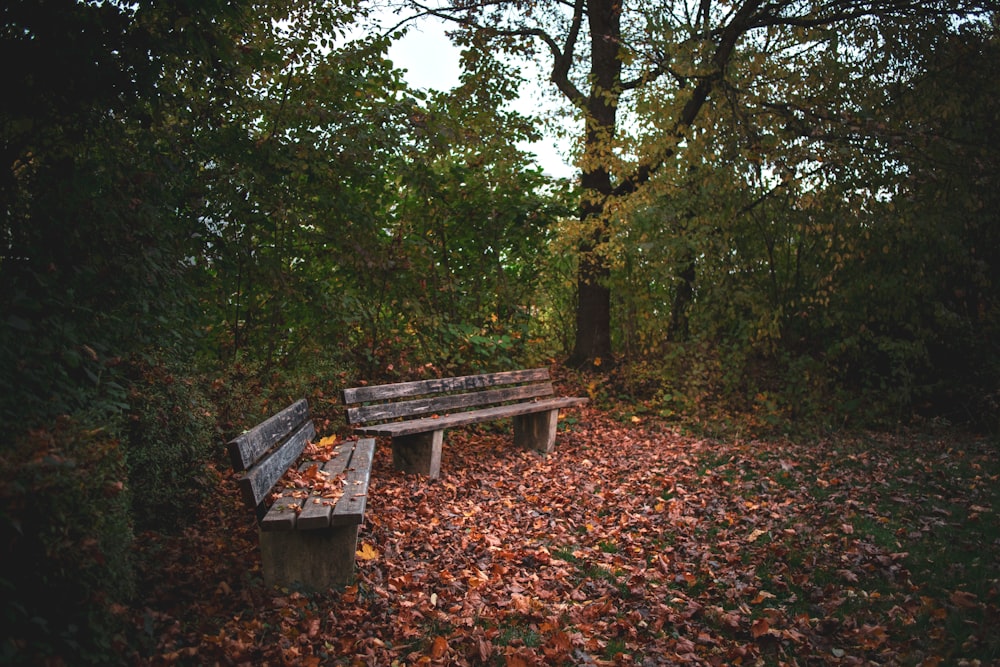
[309, 535]
[416, 414]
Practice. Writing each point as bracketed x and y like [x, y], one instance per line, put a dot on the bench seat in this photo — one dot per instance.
[425, 424]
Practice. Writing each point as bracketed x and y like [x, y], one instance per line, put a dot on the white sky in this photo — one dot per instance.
[432, 62]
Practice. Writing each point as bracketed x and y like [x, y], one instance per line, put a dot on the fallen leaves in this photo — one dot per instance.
[759, 628]
[654, 549]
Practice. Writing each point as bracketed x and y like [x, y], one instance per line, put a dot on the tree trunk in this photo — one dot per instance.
[683, 298]
[593, 310]
[593, 315]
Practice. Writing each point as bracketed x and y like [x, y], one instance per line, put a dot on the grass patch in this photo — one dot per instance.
[937, 518]
[615, 648]
[518, 630]
[607, 547]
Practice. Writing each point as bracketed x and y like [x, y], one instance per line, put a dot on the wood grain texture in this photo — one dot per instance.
[384, 392]
[259, 480]
[351, 506]
[246, 448]
[315, 513]
[282, 514]
[412, 426]
[445, 404]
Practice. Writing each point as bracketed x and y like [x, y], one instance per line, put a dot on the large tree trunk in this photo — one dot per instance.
[593, 311]
[593, 314]
[683, 298]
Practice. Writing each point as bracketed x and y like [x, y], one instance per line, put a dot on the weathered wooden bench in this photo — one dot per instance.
[416, 414]
[309, 535]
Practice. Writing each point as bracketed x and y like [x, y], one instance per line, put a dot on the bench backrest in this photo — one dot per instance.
[267, 450]
[423, 398]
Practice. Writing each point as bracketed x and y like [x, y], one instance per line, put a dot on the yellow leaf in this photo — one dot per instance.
[328, 441]
[367, 552]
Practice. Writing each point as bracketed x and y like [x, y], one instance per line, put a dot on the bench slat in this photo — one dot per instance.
[442, 385]
[250, 446]
[424, 425]
[442, 404]
[350, 508]
[341, 457]
[315, 512]
[282, 515]
[259, 480]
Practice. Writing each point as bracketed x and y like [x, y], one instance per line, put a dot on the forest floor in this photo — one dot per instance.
[630, 545]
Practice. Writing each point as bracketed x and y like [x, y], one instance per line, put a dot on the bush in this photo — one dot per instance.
[170, 436]
[65, 541]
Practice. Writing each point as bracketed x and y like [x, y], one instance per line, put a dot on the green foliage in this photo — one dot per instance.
[826, 266]
[170, 436]
[448, 276]
[66, 542]
[94, 232]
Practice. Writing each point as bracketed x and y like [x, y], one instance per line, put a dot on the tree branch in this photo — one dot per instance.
[562, 57]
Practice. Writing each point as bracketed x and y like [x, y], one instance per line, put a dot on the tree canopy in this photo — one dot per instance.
[647, 79]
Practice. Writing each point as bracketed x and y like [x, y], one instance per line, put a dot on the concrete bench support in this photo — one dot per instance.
[418, 453]
[536, 431]
[314, 559]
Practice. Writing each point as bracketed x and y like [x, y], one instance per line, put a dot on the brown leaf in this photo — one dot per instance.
[848, 576]
[964, 599]
[759, 628]
[439, 648]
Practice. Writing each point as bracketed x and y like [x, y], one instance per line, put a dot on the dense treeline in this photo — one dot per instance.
[211, 208]
[835, 258]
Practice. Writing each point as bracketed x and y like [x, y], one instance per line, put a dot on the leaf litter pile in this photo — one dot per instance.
[628, 545]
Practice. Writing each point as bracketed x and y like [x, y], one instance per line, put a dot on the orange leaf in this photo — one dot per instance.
[759, 628]
[439, 647]
[312, 473]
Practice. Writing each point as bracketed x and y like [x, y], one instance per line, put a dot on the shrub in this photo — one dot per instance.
[65, 541]
[170, 435]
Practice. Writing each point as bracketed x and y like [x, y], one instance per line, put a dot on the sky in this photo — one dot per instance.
[432, 62]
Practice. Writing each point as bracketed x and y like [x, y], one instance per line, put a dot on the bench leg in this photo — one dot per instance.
[536, 431]
[418, 453]
[315, 559]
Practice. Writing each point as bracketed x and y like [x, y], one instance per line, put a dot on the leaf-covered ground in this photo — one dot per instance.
[629, 545]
